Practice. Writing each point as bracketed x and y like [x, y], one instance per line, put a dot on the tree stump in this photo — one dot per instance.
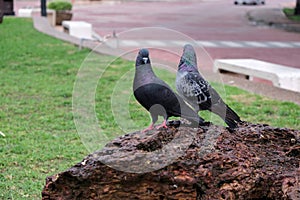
[255, 161]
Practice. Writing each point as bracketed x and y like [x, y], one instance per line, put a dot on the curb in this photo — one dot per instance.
[259, 19]
[41, 24]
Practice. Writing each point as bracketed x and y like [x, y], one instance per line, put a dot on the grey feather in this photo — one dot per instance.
[198, 92]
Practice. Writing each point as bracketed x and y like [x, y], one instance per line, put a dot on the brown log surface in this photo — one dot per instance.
[254, 162]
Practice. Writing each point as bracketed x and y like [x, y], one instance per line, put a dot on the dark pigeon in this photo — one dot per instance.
[198, 92]
[157, 97]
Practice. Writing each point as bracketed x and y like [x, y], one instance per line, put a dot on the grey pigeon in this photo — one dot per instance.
[198, 92]
[156, 96]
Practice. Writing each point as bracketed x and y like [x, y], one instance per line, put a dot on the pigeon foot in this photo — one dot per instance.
[163, 125]
[151, 127]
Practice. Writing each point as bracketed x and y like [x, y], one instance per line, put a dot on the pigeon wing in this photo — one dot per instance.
[194, 88]
[158, 94]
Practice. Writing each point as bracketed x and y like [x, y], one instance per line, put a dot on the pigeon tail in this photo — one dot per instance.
[226, 113]
[232, 115]
[231, 118]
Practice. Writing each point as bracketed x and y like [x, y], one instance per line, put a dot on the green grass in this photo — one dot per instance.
[37, 75]
[36, 80]
[289, 12]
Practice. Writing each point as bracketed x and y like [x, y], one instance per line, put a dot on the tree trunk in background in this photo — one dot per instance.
[297, 9]
[1, 10]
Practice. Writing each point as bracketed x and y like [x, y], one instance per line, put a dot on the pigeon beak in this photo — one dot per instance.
[145, 59]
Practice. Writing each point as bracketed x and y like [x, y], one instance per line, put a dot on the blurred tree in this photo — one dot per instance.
[43, 8]
[297, 9]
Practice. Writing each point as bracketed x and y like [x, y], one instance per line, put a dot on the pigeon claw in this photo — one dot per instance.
[163, 125]
[151, 127]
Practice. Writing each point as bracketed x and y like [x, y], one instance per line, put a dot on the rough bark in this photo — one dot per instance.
[254, 162]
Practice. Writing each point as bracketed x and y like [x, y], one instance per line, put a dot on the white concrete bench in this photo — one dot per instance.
[281, 76]
[25, 12]
[79, 29]
[30, 11]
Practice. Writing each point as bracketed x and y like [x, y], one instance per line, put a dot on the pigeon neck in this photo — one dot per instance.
[144, 69]
[185, 67]
[189, 57]
[143, 75]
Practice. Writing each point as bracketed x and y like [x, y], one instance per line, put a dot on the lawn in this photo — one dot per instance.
[37, 75]
[289, 12]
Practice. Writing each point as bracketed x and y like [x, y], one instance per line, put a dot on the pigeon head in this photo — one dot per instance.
[188, 58]
[188, 48]
[143, 57]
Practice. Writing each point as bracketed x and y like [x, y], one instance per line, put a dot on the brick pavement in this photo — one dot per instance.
[223, 28]
[258, 88]
[42, 25]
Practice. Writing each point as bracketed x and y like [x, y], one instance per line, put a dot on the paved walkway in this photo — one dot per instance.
[267, 90]
[224, 31]
[42, 25]
[273, 17]
[212, 44]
